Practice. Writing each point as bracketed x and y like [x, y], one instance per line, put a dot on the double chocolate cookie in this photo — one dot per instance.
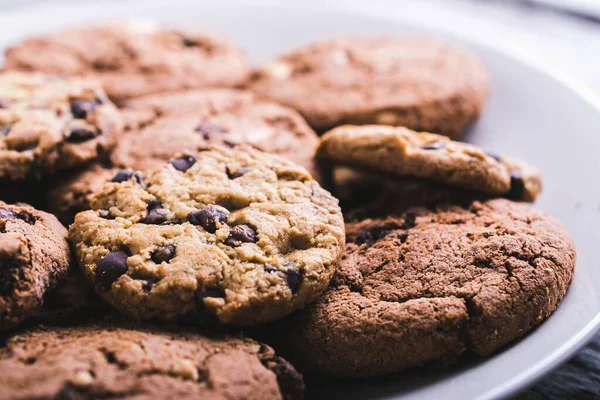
[50, 123]
[134, 58]
[34, 257]
[164, 125]
[237, 234]
[118, 360]
[418, 83]
[432, 286]
[405, 153]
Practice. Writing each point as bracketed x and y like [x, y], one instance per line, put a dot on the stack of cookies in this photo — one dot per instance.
[191, 215]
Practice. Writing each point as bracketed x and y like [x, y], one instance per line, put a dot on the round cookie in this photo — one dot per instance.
[34, 257]
[50, 123]
[406, 153]
[108, 360]
[170, 123]
[237, 234]
[422, 84]
[432, 286]
[134, 58]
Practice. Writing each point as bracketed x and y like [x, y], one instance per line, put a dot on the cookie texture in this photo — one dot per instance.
[418, 83]
[237, 234]
[163, 125]
[123, 361]
[133, 58]
[432, 286]
[34, 257]
[49, 123]
[407, 153]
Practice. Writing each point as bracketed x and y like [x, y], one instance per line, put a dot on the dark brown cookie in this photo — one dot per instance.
[432, 286]
[164, 125]
[418, 83]
[107, 360]
[34, 257]
[135, 58]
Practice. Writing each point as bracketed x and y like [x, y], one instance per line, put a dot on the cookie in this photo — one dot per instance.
[49, 124]
[418, 83]
[365, 195]
[34, 257]
[133, 58]
[167, 124]
[123, 361]
[432, 286]
[406, 153]
[237, 234]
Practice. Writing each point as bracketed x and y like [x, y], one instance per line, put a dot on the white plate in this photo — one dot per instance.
[532, 114]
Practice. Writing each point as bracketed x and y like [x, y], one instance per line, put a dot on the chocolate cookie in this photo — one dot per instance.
[237, 234]
[49, 124]
[406, 153]
[167, 124]
[418, 83]
[134, 58]
[124, 361]
[34, 257]
[432, 286]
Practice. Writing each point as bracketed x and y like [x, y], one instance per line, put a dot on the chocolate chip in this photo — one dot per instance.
[183, 163]
[434, 146]
[5, 129]
[230, 143]
[124, 176]
[4, 103]
[81, 108]
[494, 156]
[79, 135]
[5, 213]
[293, 278]
[517, 186]
[208, 217]
[111, 267]
[187, 42]
[156, 214]
[163, 254]
[238, 172]
[241, 233]
[270, 269]
[207, 129]
[99, 100]
[148, 284]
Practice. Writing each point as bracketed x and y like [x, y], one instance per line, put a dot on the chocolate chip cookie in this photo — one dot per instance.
[418, 83]
[237, 234]
[406, 153]
[134, 58]
[49, 123]
[432, 286]
[108, 360]
[34, 257]
[167, 124]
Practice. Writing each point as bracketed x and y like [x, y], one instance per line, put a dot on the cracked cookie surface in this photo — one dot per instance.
[432, 286]
[50, 123]
[237, 234]
[107, 360]
[34, 257]
[418, 83]
[133, 58]
[189, 121]
[407, 153]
